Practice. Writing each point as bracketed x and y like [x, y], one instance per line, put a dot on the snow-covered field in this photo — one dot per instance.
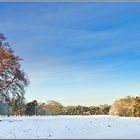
[60, 127]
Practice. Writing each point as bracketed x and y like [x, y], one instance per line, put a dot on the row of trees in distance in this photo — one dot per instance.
[128, 107]
[56, 108]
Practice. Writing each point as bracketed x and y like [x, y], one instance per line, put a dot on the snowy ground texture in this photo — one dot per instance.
[69, 127]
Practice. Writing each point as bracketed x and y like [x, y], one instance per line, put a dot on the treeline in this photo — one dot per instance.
[84, 110]
[127, 107]
[55, 108]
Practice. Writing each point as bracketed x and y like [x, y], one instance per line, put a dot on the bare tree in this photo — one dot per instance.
[54, 108]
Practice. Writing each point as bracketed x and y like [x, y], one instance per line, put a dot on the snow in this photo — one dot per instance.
[68, 127]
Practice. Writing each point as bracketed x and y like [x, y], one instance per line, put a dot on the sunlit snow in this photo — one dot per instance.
[101, 126]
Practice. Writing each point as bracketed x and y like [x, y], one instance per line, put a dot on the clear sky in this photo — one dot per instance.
[76, 53]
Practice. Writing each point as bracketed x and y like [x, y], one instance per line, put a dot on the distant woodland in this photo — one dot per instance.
[128, 107]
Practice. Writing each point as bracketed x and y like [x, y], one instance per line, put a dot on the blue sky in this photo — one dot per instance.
[76, 53]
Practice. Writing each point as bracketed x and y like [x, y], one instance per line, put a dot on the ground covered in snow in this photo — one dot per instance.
[60, 127]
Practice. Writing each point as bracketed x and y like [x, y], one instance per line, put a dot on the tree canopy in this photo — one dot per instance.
[13, 79]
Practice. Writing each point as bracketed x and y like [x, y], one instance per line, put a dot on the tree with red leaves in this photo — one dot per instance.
[13, 79]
